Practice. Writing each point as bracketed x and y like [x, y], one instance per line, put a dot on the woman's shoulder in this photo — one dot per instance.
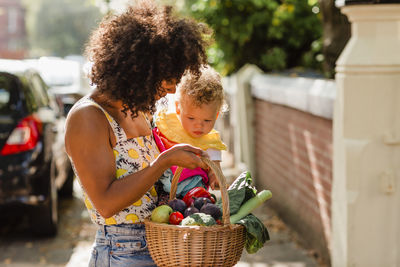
[85, 112]
[85, 124]
[85, 119]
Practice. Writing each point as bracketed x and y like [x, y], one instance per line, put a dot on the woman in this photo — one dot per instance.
[138, 57]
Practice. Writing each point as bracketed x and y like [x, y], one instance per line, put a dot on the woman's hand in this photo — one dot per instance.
[184, 155]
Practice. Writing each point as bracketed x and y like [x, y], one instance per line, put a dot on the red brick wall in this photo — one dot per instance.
[294, 161]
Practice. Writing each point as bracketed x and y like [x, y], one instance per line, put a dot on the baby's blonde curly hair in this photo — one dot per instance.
[204, 88]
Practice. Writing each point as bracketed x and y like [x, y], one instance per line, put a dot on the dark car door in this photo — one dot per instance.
[53, 134]
[40, 106]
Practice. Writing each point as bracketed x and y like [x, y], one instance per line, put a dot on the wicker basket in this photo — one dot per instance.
[219, 245]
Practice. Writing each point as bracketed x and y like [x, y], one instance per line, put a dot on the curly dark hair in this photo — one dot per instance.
[133, 52]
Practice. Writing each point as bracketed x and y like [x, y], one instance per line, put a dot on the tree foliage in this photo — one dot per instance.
[60, 27]
[272, 34]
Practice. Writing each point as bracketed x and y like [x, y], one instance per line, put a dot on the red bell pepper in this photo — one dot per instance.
[196, 192]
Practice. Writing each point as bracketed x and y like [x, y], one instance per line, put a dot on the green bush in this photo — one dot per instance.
[271, 34]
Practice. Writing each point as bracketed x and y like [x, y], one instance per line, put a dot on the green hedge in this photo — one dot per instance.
[274, 35]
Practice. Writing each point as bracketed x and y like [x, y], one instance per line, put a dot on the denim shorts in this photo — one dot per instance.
[120, 245]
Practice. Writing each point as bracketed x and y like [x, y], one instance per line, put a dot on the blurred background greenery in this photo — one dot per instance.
[59, 27]
[272, 34]
[275, 35]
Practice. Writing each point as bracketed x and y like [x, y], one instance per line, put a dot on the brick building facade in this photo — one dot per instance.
[13, 37]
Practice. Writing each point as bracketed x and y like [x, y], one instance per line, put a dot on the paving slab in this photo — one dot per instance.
[282, 250]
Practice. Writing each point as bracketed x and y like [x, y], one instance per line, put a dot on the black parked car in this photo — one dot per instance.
[34, 167]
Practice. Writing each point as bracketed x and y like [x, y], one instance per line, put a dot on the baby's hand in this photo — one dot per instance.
[212, 179]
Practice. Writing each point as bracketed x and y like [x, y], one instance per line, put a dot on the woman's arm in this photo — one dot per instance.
[88, 144]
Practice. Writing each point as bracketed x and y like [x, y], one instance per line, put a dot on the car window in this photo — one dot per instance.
[39, 91]
[30, 99]
[8, 93]
[4, 96]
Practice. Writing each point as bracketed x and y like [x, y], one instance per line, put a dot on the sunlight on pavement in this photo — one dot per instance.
[81, 253]
[80, 256]
[276, 264]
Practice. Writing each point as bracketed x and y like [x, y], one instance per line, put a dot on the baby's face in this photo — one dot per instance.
[197, 121]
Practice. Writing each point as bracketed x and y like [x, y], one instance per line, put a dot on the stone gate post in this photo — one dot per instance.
[366, 175]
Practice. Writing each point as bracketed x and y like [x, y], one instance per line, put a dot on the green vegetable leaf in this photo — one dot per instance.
[239, 192]
[256, 233]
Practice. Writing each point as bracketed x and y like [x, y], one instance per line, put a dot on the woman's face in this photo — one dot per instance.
[196, 120]
[167, 87]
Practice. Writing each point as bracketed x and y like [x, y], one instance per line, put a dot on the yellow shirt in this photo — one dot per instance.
[171, 127]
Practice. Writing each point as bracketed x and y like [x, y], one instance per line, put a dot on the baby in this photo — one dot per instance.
[199, 102]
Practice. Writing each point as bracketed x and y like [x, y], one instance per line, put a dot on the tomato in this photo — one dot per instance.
[175, 218]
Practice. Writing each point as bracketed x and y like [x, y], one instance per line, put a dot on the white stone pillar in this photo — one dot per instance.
[366, 175]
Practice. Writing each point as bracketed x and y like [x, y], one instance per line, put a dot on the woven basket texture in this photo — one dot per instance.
[175, 245]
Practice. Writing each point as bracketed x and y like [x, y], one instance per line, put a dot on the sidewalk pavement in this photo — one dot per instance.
[282, 250]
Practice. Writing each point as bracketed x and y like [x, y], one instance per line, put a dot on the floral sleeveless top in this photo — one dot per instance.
[131, 155]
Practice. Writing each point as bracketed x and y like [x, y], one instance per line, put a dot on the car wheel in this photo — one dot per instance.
[44, 217]
[67, 189]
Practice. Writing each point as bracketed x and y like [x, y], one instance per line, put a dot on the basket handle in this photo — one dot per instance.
[222, 184]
